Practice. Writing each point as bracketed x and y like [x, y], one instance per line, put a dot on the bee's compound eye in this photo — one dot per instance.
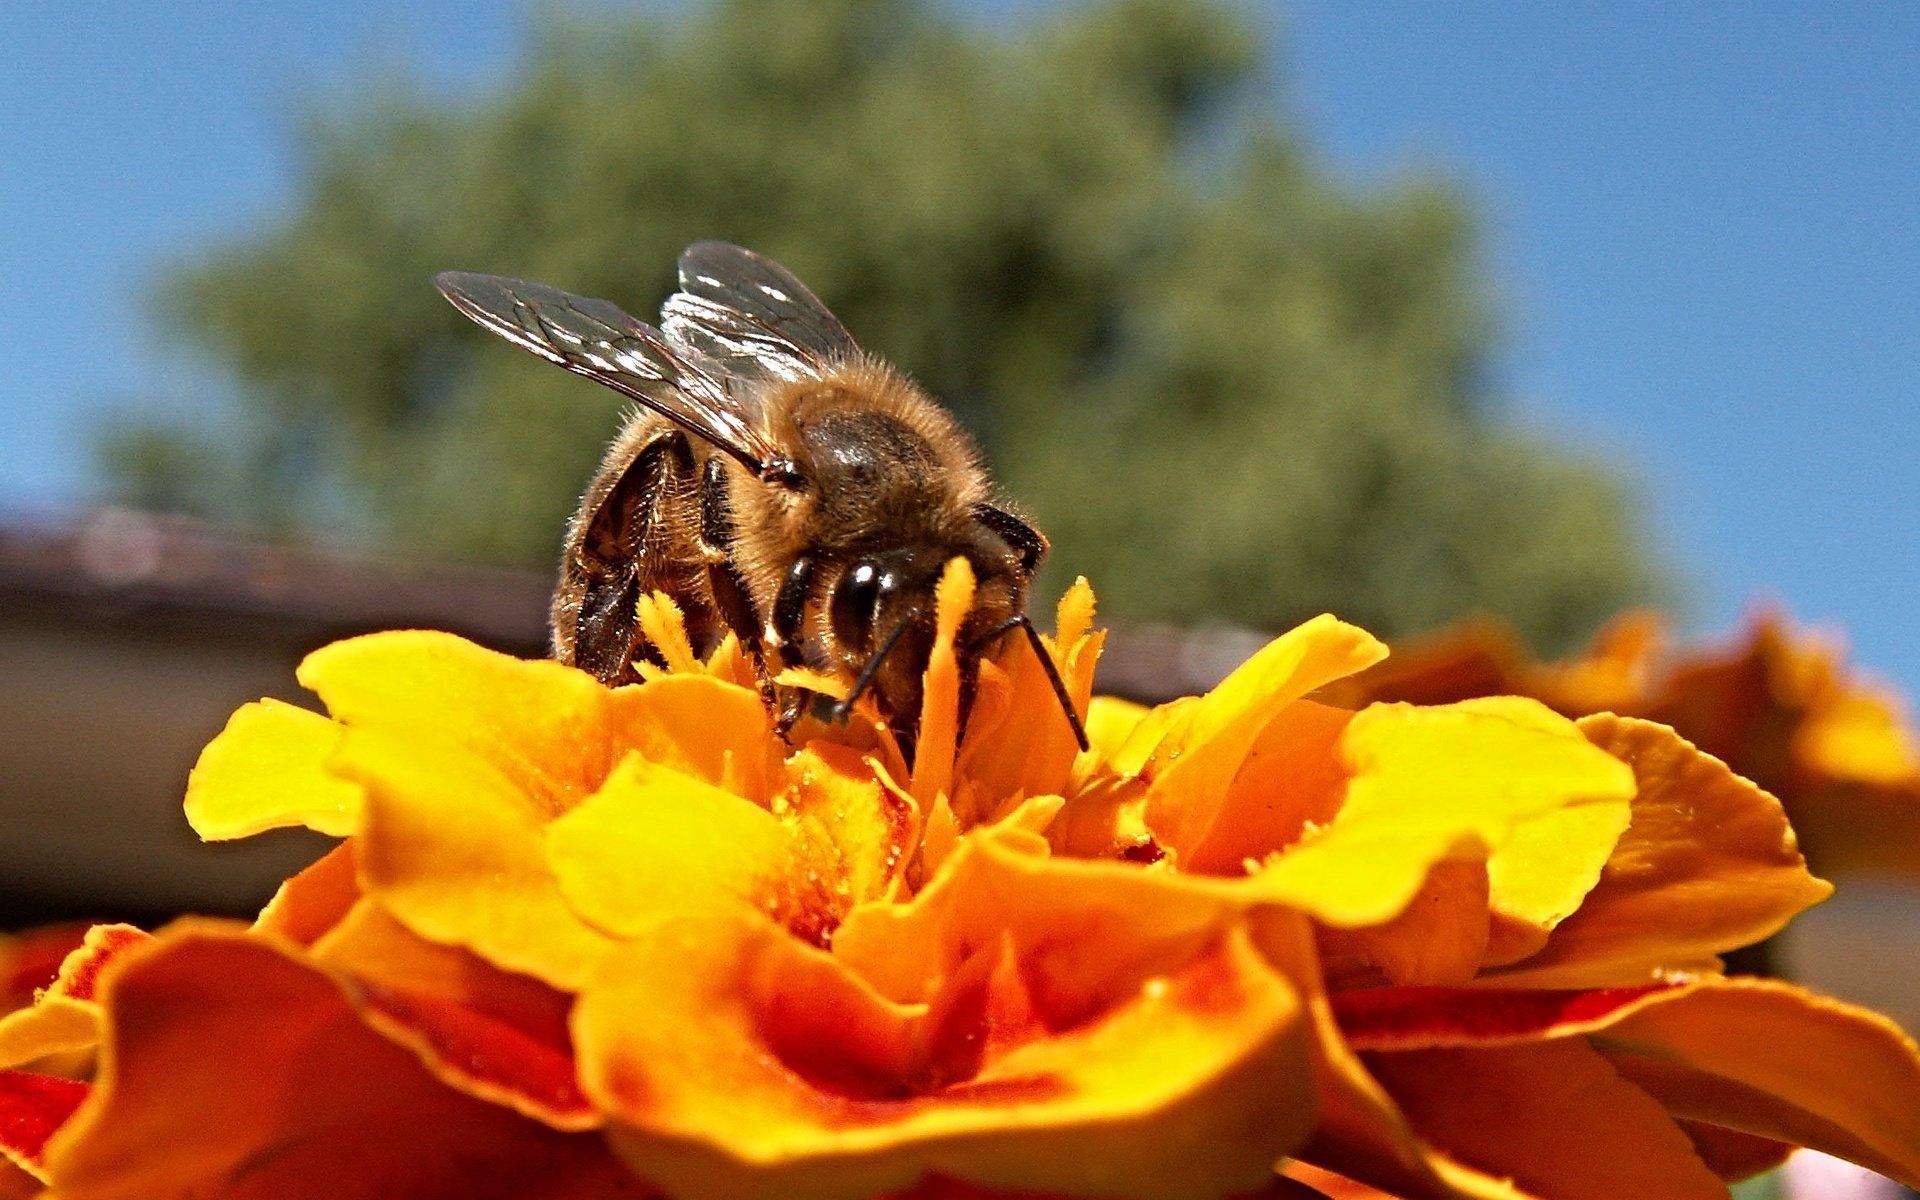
[856, 601]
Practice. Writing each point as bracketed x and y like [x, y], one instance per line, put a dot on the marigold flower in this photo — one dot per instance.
[1778, 704]
[582, 942]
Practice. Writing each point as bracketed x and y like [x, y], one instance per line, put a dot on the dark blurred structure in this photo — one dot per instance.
[127, 638]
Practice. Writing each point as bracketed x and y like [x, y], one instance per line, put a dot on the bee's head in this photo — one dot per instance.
[881, 613]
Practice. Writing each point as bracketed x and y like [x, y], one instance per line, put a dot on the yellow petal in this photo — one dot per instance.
[455, 849]
[1208, 741]
[267, 770]
[1708, 864]
[655, 842]
[1110, 721]
[1428, 784]
[541, 725]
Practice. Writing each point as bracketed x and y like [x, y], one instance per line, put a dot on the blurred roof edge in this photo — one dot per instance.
[116, 565]
[120, 565]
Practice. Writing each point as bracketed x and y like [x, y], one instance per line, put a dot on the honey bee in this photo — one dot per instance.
[775, 481]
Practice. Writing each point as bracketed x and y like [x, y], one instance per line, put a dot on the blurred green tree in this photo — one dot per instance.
[1228, 386]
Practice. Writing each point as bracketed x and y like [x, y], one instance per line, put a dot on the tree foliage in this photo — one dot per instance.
[1229, 386]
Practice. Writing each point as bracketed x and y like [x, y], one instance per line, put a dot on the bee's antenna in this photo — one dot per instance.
[1046, 664]
[872, 668]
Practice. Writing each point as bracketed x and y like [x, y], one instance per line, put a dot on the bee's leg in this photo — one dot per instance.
[730, 594]
[789, 626]
[609, 561]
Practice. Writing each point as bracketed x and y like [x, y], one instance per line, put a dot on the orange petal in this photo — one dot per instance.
[940, 705]
[1000, 880]
[1440, 937]
[765, 1069]
[1863, 733]
[1018, 741]
[1708, 864]
[267, 770]
[1772, 1060]
[708, 728]
[1358, 1130]
[491, 1034]
[455, 849]
[1206, 742]
[852, 827]
[315, 900]
[233, 1069]
[54, 1026]
[1733, 1155]
[1293, 779]
[1758, 1056]
[1552, 1116]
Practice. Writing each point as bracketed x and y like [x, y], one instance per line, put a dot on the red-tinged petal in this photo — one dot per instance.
[79, 976]
[1553, 1116]
[30, 959]
[16, 1183]
[32, 1107]
[1207, 742]
[234, 1069]
[267, 770]
[494, 1035]
[455, 850]
[767, 1071]
[1769, 1059]
[1358, 1131]
[1708, 864]
[64, 1018]
[1416, 1018]
[315, 900]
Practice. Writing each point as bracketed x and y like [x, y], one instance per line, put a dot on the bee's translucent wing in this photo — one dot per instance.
[596, 339]
[746, 318]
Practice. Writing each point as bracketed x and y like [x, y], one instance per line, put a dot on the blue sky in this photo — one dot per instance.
[1702, 222]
